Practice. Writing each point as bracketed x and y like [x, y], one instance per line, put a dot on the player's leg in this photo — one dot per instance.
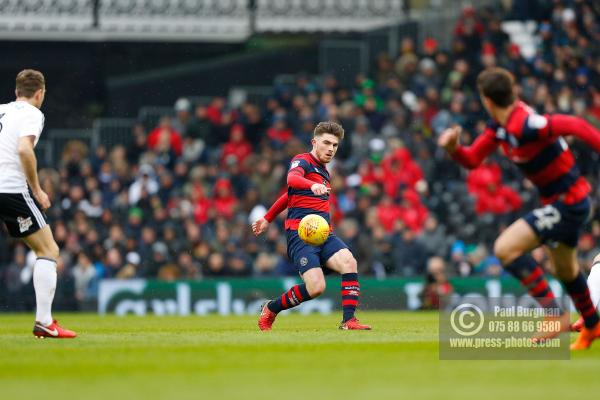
[306, 260]
[567, 221]
[565, 262]
[564, 259]
[512, 249]
[593, 281]
[44, 272]
[340, 259]
[25, 220]
[313, 286]
[314, 282]
[44, 282]
[343, 262]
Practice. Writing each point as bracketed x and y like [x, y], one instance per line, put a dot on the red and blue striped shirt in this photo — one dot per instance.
[305, 170]
[536, 145]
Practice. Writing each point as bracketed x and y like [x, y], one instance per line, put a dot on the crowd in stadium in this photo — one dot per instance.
[178, 203]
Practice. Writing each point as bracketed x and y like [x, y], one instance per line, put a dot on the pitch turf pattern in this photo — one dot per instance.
[304, 357]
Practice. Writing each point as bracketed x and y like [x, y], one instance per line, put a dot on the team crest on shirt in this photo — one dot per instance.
[24, 223]
[294, 164]
[502, 134]
[536, 121]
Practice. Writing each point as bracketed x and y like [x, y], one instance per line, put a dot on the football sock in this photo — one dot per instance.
[44, 283]
[579, 292]
[593, 282]
[350, 293]
[531, 275]
[289, 299]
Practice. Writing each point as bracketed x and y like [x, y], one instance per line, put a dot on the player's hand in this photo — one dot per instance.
[42, 198]
[259, 226]
[449, 139]
[319, 189]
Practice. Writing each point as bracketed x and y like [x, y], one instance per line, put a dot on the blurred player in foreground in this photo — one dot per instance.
[308, 193]
[536, 145]
[22, 206]
[593, 282]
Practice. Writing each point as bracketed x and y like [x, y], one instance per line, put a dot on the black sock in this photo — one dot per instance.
[580, 293]
[350, 293]
[531, 275]
[289, 299]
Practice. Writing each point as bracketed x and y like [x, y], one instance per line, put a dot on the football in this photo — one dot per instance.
[313, 230]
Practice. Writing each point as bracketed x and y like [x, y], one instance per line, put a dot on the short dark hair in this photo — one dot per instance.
[497, 85]
[329, 127]
[28, 82]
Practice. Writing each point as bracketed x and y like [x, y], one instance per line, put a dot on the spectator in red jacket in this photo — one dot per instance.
[200, 203]
[412, 212]
[237, 147]
[498, 200]
[164, 127]
[224, 201]
[371, 173]
[279, 133]
[215, 110]
[480, 179]
[491, 196]
[400, 170]
[468, 22]
[388, 213]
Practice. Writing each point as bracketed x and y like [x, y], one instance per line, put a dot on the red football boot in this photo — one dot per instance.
[586, 337]
[577, 325]
[53, 331]
[267, 317]
[354, 325]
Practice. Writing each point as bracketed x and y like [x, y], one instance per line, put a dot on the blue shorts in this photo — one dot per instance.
[559, 223]
[305, 256]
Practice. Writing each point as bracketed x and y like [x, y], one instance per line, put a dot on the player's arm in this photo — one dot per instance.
[261, 225]
[29, 164]
[296, 180]
[471, 156]
[566, 125]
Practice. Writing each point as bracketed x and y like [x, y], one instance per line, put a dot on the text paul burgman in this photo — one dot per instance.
[526, 312]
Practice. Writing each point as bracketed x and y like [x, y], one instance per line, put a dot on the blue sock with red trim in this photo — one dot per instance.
[580, 293]
[289, 299]
[531, 275]
[350, 293]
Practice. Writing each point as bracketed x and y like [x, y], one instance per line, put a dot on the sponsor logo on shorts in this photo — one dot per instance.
[24, 223]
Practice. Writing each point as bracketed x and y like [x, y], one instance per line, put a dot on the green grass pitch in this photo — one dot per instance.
[305, 357]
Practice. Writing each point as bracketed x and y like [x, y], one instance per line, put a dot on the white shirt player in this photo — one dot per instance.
[17, 119]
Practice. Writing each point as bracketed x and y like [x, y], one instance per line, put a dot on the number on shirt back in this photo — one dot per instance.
[1, 115]
[546, 217]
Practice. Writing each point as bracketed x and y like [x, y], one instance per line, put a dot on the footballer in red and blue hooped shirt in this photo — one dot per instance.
[308, 193]
[536, 144]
